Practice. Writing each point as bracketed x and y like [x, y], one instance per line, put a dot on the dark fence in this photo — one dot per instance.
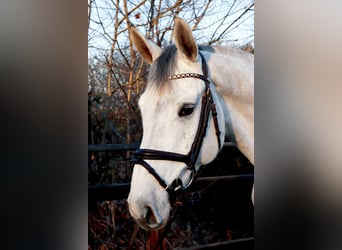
[230, 187]
[120, 190]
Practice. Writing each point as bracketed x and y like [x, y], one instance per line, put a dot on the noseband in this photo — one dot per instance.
[140, 155]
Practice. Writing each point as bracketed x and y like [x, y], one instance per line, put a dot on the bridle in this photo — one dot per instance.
[176, 188]
[140, 155]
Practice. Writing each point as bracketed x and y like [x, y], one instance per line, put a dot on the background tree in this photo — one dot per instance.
[117, 77]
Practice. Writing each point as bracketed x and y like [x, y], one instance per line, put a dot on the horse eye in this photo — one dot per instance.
[186, 110]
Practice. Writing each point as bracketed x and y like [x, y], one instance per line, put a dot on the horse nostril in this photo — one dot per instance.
[149, 216]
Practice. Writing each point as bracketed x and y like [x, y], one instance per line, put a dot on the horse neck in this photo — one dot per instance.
[235, 84]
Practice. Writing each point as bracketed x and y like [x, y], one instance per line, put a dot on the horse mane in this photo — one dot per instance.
[164, 66]
[243, 51]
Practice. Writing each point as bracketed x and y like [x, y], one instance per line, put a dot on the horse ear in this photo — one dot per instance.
[184, 40]
[147, 49]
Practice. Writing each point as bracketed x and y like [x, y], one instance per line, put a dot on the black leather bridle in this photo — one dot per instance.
[140, 155]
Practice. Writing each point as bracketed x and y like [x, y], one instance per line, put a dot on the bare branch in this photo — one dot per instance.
[229, 26]
[223, 20]
[199, 19]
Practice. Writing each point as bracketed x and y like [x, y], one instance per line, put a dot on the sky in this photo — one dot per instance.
[241, 32]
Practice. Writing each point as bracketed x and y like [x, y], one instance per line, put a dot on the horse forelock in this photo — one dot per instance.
[163, 67]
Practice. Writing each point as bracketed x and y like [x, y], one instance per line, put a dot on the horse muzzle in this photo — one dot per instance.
[147, 216]
[149, 220]
[149, 203]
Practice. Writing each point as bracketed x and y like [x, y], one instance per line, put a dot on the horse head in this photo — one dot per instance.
[183, 125]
